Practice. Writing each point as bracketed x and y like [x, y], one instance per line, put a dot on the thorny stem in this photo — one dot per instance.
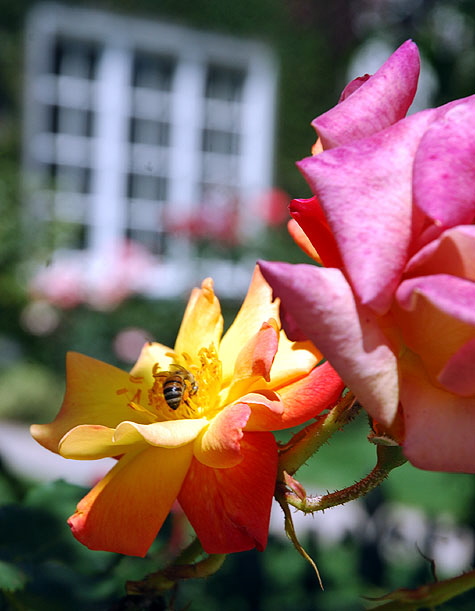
[309, 440]
[184, 567]
[389, 457]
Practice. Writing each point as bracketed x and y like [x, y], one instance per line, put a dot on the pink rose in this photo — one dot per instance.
[392, 220]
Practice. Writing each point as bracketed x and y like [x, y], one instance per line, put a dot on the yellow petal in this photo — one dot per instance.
[292, 361]
[202, 324]
[126, 509]
[152, 353]
[256, 308]
[90, 442]
[169, 434]
[96, 393]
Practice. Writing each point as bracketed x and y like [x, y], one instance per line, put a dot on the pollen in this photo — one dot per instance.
[189, 388]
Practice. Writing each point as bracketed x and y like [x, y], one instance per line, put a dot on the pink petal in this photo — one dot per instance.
[436, 317]
[229, 509]
[452, 296]
[452, 253]
[323, 306]
[444, 167]
[458, 374]
[439, 426]
[377, 103]
[365, 191]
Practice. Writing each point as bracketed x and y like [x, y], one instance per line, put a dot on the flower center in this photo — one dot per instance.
[187, 389]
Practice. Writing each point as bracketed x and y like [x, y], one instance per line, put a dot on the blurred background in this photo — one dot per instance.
[145, 146]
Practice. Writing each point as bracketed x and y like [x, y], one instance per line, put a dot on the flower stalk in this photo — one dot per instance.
[186, 566]
[388, 458]
[309, 440]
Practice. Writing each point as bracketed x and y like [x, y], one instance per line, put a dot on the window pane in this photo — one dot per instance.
[147, 187]
[144, 131]
[75, 58]
[224, 83]
[153, 72]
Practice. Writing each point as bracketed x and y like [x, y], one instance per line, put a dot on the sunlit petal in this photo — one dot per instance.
[96, 393]
[257, 307]
[220, 444]
[124, 511]
[202, 323]
[233, 511]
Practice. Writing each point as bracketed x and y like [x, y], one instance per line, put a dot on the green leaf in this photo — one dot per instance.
[12, 578]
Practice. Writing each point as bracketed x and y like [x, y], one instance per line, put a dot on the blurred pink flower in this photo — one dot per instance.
[392, 221]
[103, 283]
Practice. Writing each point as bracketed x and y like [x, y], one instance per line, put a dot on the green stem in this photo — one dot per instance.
[309, 440]
[184, 567]
[389, 457]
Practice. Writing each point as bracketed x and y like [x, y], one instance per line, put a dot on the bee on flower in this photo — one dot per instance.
[192, 424]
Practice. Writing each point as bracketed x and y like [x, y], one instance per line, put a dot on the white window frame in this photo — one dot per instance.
[194, 51]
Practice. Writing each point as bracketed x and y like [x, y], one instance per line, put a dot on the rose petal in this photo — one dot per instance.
[439, 426]
[219, 446]
[96, 393]
[365, 191]
[169, 434]
[348, 335]
[202, 323]
[301, 239]
[229, 509]
[301, 401]
[444, 167]
[379, 102]
[257, 307]
[437, 316]
[151, 354]
[452, 253]
[124, 511]
[458, 375]
[310, 217]
[91, 442]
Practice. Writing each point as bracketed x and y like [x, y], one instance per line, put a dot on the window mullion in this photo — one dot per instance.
[110, 149]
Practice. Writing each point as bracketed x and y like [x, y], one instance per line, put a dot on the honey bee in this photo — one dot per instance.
[175, 384]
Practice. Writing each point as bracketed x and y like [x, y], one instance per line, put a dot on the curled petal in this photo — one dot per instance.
[202, 323]
[229, 509]
[256, 357]
[168, 434]
[151, 354]
[365, 191]
[301, 239]
[292, 361]
[300, 401]
[438, 424]
[377, 103]
[96, 393]
[93, 441]
[220, 444]
[444, 167]
[311, 218]
[451, 253]
[257, 307]
[349, 336]
[457, 375]
[433, 307]
[124, 511]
